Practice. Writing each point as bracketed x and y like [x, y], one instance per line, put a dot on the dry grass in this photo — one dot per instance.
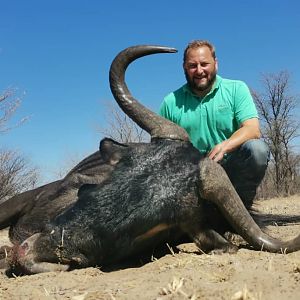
[176, 288]
[244, 294]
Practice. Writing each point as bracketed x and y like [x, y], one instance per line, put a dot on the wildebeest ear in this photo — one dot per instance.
[111, 151]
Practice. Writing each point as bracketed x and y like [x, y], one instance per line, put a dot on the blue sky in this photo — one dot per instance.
[59, 52]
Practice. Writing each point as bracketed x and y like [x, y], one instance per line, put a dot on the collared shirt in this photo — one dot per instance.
[213, 118]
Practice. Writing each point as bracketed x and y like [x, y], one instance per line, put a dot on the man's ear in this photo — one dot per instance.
[216, 64]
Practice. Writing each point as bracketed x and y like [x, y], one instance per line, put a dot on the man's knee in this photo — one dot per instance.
[247, 167]
[257, 153]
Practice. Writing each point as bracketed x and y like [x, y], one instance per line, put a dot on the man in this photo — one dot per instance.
[220, 118]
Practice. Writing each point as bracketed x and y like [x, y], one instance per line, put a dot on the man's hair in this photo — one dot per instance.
[198, 44]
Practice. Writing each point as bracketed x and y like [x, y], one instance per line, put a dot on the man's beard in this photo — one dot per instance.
[201, 87]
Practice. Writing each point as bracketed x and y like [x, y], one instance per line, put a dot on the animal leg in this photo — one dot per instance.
[209, 241]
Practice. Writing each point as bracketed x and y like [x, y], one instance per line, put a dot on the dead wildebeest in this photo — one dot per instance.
[150, 192]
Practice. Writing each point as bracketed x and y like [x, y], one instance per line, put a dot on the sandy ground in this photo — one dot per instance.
[186, 274]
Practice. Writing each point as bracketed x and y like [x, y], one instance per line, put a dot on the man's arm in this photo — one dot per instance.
[249, 129]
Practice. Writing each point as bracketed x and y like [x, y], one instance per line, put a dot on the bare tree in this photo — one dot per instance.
[68, 162]
[120, 127]
[9, 103]
[16, 174]
[279, 128]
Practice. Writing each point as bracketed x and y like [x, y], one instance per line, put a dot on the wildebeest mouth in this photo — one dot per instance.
[156, 126]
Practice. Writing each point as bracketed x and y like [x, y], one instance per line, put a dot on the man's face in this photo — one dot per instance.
[200, 69]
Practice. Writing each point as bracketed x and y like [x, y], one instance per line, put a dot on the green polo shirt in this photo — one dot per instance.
[213, 118]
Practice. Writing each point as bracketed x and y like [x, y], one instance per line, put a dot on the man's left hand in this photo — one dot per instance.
[218, 152]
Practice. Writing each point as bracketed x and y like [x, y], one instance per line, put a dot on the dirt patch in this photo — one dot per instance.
[185, 275]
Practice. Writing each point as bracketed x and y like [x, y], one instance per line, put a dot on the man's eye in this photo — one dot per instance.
[192, 66]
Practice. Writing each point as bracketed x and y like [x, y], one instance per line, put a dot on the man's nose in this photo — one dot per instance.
[199, 69]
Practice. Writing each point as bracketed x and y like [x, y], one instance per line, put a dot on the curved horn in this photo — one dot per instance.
[215, 186]
[155, 125]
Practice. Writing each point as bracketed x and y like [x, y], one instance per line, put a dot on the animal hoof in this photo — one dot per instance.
[229, 248]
